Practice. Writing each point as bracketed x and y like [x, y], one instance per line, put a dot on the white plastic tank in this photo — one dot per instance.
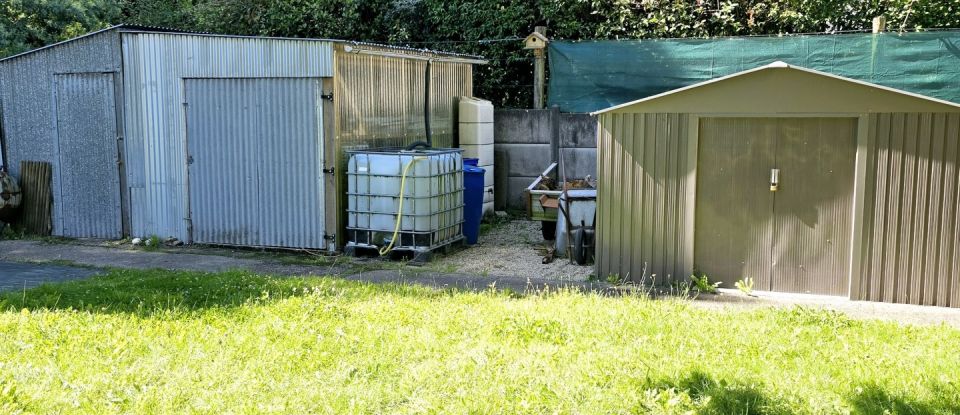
[476, 140]
[432, 214]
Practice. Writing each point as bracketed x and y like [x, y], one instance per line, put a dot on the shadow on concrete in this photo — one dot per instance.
[20, 276]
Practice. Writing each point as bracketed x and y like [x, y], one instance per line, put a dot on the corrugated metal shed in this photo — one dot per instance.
[155, 131]
[645, 214]
[902, 178]
[377, 99]
[910, 249]
[30, 117]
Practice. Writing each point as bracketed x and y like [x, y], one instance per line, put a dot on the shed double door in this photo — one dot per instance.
[795, 238]
[255, 156]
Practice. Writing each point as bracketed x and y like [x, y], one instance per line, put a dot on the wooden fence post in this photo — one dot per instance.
[537, 41]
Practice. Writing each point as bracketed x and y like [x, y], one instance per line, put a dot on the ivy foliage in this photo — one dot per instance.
[469, 26]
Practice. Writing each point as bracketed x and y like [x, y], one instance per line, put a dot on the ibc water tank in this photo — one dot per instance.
[432, 209]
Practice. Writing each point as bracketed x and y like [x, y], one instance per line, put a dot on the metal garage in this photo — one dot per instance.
[217, 139]
[804, 181]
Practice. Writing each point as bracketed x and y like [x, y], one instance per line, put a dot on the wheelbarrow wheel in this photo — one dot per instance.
[549, 230]
[579, 246]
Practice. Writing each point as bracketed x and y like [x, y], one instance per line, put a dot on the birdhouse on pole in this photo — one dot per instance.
[537, 41]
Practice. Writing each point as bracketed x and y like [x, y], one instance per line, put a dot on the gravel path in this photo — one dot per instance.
[513, 249]
[31, 259]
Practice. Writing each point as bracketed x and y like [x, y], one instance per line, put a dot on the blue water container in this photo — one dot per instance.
[472, 202]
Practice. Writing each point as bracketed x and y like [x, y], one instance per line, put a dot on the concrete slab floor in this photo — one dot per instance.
[863, 310]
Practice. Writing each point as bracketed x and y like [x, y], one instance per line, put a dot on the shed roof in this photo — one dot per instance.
[131, 28]
[782, 88]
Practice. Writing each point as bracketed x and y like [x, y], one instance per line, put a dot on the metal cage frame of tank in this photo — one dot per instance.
[408, 240]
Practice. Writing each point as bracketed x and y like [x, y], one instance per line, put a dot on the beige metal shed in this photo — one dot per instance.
[802, 180]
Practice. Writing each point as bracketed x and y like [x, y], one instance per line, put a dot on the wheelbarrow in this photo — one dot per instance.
[576, 225]
[541, 197]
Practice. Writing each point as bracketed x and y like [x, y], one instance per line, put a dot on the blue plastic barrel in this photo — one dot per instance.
[472, 201]
[470, 162]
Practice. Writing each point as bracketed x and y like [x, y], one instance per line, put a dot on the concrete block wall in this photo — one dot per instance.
[527, 141]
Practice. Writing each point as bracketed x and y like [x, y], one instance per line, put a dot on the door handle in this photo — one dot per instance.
[774, 179]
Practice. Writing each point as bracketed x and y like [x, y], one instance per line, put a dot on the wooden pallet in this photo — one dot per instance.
[37, 189]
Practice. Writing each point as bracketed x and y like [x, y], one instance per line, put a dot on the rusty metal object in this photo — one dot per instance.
[10, 197]
[549, 256]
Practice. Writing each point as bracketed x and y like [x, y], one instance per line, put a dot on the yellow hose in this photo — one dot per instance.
[403, 184]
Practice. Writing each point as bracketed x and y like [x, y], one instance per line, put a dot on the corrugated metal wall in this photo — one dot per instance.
[910, 251]
[155, 66]
[645, 210]
[29, 103]
[379, 99]
[379, 103]
[3, 138]
[89, 156]
[267, 189]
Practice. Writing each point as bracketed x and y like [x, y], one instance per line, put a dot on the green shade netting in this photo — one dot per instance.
[593, 75]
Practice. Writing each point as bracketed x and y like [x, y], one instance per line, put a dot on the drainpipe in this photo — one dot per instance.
[428, 135]
[426, 104]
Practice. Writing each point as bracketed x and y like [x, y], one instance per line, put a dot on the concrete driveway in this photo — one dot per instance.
[19, 276]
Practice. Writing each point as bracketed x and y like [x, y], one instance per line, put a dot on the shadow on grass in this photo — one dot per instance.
[722, 397]
[149, 292]
[727, 398]
[873, 399]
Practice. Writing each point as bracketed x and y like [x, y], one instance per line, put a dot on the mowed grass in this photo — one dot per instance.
[177, 342]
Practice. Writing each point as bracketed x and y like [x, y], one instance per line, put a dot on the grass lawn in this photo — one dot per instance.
[179, 342]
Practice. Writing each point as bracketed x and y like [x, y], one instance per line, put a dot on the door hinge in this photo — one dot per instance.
[328, 97]
[328, 171]
[119, 150]
[189, 160]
